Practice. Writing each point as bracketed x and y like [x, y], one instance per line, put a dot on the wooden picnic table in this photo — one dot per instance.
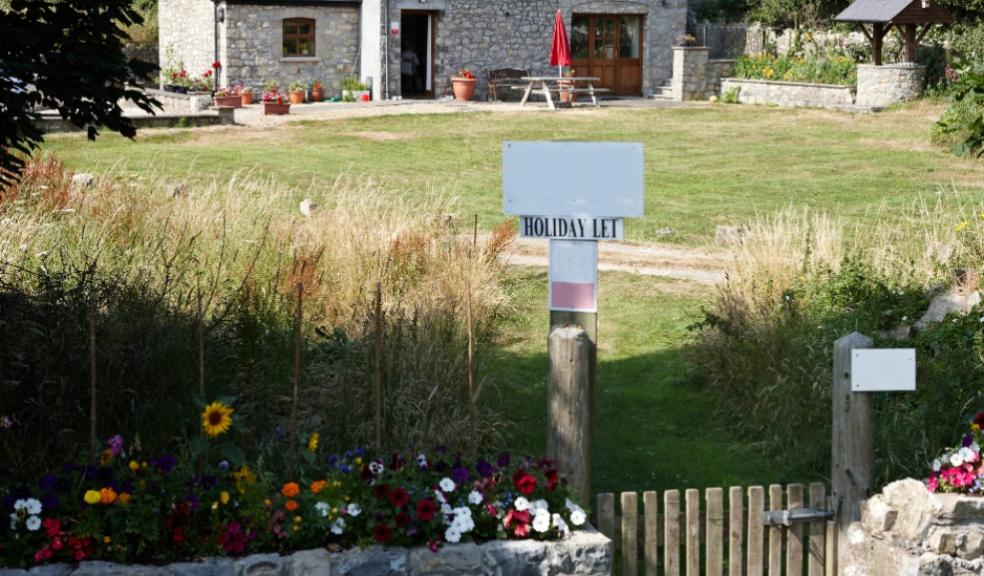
[550, 85]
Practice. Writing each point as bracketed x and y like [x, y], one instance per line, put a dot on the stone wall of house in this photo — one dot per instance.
[187, 34]
[881, 86]
[481, 35]
[790, 94]
[584, 553]
[251, 45]
[908, 530]
[689, 73]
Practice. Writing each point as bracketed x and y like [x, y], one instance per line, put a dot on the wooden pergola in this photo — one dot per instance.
[905, 15]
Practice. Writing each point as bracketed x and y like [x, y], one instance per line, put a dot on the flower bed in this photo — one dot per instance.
[836, 69]
[132, 508]
[960, 469]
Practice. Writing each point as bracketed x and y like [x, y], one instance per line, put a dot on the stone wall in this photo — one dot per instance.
[689, 73]
[481, 35]
[187, 34]
[584, 553]
[717, 71]
[790, 94]
[881, 86]
[906, 530]
[251, 40]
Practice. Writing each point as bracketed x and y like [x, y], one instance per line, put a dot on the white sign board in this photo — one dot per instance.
[565, 179]
[573, 228]
[883, 370]
[573, 276]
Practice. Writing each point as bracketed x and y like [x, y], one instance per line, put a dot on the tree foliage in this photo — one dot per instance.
[778, 13]
[65, 55]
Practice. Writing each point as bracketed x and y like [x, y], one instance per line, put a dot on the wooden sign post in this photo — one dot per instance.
[573, 194]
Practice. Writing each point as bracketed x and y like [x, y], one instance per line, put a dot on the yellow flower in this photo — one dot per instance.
[107, 539]
[216, 419]
[134, 466]
[358, 461]
[313, 442]
[92, 497]
[224, 497]
[215, 506]
[961, 227]
[124, 499]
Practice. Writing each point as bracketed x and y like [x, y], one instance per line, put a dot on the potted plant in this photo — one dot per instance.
[230, 97]
[686, 41]
[317, 91]
[463, 84]
[274, 103]
[354, 90]
[297, 91]
[246, 94]
[567, 86]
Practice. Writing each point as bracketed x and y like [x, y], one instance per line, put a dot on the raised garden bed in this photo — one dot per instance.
[789, 94]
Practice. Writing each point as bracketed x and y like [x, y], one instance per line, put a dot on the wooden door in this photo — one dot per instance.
[609, 46]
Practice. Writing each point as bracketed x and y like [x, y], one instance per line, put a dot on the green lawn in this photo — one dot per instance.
[704, 166]
[653, 430]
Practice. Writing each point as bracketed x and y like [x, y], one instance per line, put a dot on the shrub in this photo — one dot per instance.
[834, 69]
[799, 282]
[962, 124]
[224, 261]
[731, 95]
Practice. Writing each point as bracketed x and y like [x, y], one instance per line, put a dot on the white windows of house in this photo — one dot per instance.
[299, 38]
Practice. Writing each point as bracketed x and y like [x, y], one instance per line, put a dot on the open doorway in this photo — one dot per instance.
[417, 54]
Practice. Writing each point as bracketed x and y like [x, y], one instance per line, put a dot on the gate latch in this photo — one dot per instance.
[797, 516]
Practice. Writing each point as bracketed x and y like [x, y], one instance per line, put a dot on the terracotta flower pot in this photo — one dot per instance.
[228, 101]
[276, 109]
[297, 97]
[464, 88]
[567, 95]
[317, 95]
[247, 98]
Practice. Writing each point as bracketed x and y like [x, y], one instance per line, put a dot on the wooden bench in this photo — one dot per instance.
[503, 79]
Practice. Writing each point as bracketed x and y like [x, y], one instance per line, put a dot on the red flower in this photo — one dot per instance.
[216, 64]
[426, 509]
[979, 420]
[518, 521]
[524, 482]
[380, 491]
[382, 533]
[399, 498]
[52, 526]
[402, 519]
[552, 480]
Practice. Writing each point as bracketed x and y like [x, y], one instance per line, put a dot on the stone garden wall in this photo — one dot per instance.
[584, 553]
[906, 530]
[790, 94]
[251, 46]
[880, 86]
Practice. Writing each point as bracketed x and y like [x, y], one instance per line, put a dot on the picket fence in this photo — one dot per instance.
[697, 540]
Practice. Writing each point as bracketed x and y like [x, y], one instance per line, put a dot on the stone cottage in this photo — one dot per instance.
[411, 48]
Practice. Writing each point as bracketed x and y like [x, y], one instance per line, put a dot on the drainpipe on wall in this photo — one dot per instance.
[215, 35]
[386, 52]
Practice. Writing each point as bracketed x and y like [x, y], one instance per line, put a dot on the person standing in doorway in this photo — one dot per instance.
[409, 69]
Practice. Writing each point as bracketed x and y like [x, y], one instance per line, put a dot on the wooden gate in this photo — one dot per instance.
[713, 535]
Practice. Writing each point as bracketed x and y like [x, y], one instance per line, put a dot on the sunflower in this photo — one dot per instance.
[216, 419]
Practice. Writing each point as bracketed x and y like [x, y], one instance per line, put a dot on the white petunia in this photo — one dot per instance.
[956, 460]
[20, 504]
[475, 497]
[447, 484]
[338, 526]
[578, 517]
[937, 465]
[376, 467]
[33, 523]
[521, 504]
[446, 509]
[537, 505]
[463, 521]
[322, 508]
[541, 522]
[440, 497]
[561, 525]
[33, 506]
[354, 509]
[452, 535]
[967, 454]
[422, 460]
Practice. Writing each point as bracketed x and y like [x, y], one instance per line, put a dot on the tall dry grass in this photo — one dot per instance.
[798, 281]
[229, 256]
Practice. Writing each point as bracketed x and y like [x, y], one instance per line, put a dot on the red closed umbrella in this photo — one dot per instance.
[560, 50]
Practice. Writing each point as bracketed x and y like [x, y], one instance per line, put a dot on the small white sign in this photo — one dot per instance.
[573, 276]
[564, 179]
[883, 370]
[572, 227]
[395, 28]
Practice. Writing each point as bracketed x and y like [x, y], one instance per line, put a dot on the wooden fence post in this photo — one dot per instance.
[569, 407]
[852, 443]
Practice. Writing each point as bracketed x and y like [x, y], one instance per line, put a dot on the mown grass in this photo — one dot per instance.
[705, 166]
[653, 429]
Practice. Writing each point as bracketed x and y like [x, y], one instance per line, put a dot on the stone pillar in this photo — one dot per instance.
[881, 86]
[689, 73]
